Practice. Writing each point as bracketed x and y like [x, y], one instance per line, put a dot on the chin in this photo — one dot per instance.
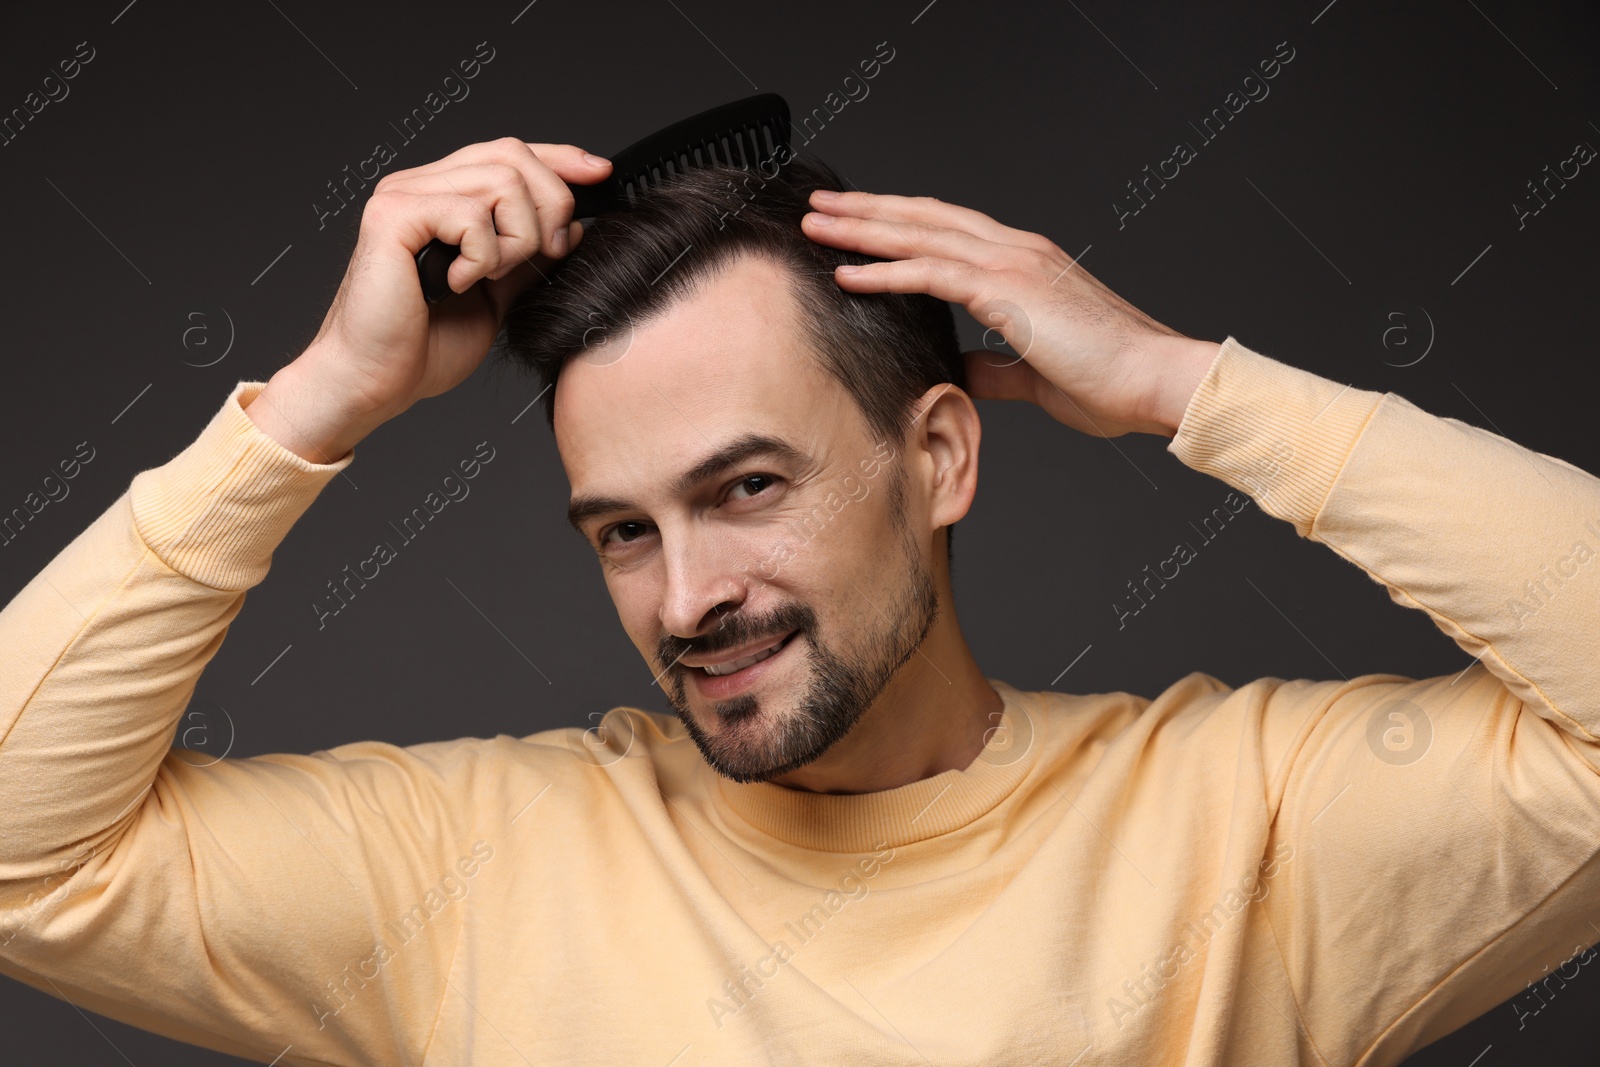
[747, 742]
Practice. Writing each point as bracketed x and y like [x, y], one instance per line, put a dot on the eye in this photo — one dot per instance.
[628, 532]
[759, 482]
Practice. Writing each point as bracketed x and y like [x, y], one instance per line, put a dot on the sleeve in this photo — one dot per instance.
[254, 906]
[1449, 825]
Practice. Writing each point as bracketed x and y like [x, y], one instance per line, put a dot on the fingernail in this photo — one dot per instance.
[825, 194]
[817, 218]
[594, 160]
[558, 242]
[848, 268]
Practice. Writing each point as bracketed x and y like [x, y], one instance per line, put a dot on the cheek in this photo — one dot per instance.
[769, 552]
[844, 571]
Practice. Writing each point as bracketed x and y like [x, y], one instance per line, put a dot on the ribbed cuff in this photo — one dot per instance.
[1274, 431]
[216, 511]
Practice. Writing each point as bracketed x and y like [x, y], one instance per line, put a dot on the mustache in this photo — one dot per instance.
[735, 629]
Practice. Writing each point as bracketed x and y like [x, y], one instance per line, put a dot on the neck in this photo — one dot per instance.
[933, 717]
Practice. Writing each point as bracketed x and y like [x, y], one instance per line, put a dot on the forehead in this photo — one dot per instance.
[725, 361]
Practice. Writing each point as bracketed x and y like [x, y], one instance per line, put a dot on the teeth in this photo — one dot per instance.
[718, 669]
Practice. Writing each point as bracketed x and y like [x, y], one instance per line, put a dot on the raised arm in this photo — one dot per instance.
[1495, 542]
[1450, 824]
[1446, 830]
[208, 901]
[243, 904]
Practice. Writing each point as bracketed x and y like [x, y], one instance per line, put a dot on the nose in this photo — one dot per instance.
[703, 582]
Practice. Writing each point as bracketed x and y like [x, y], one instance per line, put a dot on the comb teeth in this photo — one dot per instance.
[742, 146]
[739, 134]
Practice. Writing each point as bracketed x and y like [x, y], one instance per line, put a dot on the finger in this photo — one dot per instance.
[502, 195]
[929, 210]
[572, 163]
[457, 220]
[909, 240]
[947, 279]
[553, 202]
[569, 161]
[1020, 381]
[546, 169]
[561, 163]
[995, 376]
[574, 234]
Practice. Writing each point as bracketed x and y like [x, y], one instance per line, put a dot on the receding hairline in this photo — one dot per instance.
[705, 273]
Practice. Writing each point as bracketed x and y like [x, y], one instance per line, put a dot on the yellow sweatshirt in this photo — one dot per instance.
[1318, 872]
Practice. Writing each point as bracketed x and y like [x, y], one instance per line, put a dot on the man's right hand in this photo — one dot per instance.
[381, 347]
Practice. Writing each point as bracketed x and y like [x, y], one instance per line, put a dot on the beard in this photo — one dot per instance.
[758, 739]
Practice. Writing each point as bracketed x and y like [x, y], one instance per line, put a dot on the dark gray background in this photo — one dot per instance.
[190, 150]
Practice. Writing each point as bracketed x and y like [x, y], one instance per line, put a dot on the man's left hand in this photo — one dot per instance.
[1089, 358]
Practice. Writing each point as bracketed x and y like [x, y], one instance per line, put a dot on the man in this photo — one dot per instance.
[848, 845]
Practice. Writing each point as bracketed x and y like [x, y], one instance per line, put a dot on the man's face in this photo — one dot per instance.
[739, 504]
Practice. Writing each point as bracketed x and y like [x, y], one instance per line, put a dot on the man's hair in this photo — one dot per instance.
[886, 349]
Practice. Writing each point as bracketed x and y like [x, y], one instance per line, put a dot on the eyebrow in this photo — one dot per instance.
[747, 446]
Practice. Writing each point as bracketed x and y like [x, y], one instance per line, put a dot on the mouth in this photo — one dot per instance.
[719, 670]
[725, 678]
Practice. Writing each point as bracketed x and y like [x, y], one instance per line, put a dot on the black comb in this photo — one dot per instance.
[745, 133]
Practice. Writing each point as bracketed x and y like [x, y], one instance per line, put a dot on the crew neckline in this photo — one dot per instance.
[891, 818]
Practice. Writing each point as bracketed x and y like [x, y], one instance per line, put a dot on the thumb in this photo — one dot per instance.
[998, 376]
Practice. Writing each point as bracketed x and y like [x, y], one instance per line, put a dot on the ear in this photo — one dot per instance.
[947, 434]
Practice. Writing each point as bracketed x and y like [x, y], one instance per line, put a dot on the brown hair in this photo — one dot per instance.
[886, 349]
